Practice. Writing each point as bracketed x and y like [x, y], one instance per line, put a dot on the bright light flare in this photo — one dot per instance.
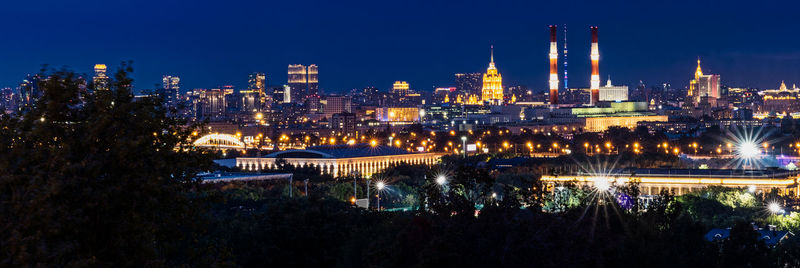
[441, 180]
[774, 208]
[380, 185]
[602, 183]
[748, 149]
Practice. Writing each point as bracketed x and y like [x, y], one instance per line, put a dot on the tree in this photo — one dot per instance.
[94, 178]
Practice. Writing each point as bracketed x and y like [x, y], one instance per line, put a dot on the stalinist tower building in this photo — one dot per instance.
[492, 91]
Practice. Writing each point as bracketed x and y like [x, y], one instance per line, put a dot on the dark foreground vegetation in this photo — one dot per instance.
[94, 178]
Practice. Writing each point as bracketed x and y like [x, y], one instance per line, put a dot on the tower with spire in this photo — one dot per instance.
[492, 91]
[703, 85]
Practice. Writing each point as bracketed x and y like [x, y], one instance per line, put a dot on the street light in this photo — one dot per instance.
[380, 185]
[464, 147]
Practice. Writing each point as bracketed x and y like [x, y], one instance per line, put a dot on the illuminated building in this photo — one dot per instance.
[682, 181]
[298, 83]
[100, 79]
[313, 80]
[620, 114]
[553, 66]
[492, 91]
[397, 114]
[613, 93]
[595, 78]
[345, 123]
[257, 83]
[781, 101]
[703, 85]
[341, 160]
[400, 87]
[210, 103]
[338, 104]
[469, 83]
[171, 89]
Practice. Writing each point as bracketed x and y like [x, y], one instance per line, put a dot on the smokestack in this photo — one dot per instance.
[553, 66]
[595, 79]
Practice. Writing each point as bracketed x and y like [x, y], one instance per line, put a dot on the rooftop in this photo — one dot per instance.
[340, 151]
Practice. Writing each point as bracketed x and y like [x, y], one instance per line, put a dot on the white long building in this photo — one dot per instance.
[341, 160]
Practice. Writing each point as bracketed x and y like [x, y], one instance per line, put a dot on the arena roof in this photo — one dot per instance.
[340, 151]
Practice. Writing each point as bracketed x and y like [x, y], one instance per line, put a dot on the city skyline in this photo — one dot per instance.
[438, 41]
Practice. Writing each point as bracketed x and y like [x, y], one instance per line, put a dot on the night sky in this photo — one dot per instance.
[373, 43]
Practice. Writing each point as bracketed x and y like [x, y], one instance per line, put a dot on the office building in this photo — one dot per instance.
[100, 79]
[469, 83]
[400, 88]
[170, 85]
[613, 93]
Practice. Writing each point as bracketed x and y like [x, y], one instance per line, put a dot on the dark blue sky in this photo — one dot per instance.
[363, 43]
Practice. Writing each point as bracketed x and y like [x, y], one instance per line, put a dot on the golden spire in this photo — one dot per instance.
[699, 72]
[783, 85]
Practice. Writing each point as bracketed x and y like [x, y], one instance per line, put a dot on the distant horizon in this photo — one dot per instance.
[363, 43]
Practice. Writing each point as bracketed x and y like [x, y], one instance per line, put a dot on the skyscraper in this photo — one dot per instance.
[171, 89]
[703, 85]
[100, 79]
[298, 82]
[313, 80]
[257, 83]
[492, 91]
[303, 81]
[469, 83]
[400, 88]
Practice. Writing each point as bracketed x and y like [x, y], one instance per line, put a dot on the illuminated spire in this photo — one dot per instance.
[699, 72]
[783, 85]
[491, 53]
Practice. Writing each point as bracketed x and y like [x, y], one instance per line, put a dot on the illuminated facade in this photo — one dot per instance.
[613, 93]
[781, 101]
[313, 80]
[397, 114]
[257, 83]
[171, 86]
[298, 81]
[341, 160]
[600, 124]
[100, 79]
[703, 85]
[682, 181]
[492, 91]
[400, 87]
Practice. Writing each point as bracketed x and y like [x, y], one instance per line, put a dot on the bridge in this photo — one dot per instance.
[219, 141]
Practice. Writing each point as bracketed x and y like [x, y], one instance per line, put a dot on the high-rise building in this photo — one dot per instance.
[469, 83]
[298, 82]
[313, 80]
[170, 86]
[210, 103]
[492, 91]
[257, 83]
[703, 85]
[400, 88]
[100, 79]
[338, 104]
[303, 81]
